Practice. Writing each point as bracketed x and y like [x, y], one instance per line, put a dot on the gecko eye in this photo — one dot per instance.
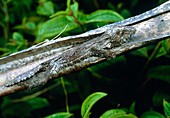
[118, 32]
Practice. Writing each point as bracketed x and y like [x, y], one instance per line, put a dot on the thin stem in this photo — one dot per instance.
[154, 53]
[5, 10]
[78, 22]
[35, 94]
[152, 56]
[1, 24]
[66, 95]
[70, 13]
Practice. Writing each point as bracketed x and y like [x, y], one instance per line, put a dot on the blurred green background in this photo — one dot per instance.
[136, 82]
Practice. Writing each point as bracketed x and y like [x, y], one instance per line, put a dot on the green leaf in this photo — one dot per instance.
[162, 50]
[166, 106]
[68, 3]
[6, 102]
[74, 8]
[18, 42]
[17, 37]
[132, 108]
[59, 13]
[30, 25]
[141, 52]
[73, 12]
[160, 72]
[159, 96]
[119, 59]
[4, 50]
[60, 115]
[37, 103]
[152, 114]
[166, 45]
[8, 108]
[54, 26]
[125, 13]
[89, 102]
[46, 9]
[112, 112]
[116, 113]
[103, 16]
[82, 17]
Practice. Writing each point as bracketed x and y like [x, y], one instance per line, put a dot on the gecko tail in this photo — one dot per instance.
[23, 76]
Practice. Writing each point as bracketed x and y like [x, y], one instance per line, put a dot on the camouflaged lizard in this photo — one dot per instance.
[95, 43]
[96, 47]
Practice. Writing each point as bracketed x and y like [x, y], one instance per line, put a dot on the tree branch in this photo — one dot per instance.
[37, 64]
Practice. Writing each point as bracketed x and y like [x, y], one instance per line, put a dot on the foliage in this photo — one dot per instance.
[89, 102]
[166, 108]
[137, 83]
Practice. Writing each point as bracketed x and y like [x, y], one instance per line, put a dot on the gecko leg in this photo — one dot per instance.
[103, 53]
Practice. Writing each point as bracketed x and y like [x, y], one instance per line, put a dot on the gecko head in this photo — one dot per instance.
[125, 30]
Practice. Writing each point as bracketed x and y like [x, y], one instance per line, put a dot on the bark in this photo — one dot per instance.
[32, 67]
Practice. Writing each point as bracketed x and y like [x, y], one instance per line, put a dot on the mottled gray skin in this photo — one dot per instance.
[97, 47]
[24, 76]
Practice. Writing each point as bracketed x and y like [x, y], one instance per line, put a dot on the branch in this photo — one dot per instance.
[50, 59]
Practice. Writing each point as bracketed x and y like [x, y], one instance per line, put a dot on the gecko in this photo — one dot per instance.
[56, 64]
[96, 47]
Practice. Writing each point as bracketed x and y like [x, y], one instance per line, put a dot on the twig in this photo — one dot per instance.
[65, 93]
[38, 64]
